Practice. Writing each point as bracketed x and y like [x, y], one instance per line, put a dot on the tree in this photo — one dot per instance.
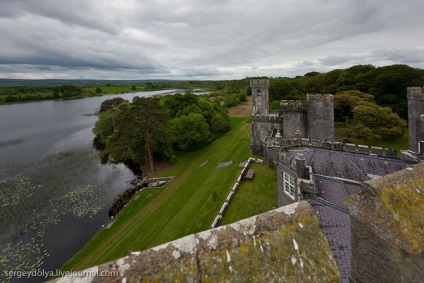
[136, 131]
[150, 121]
[111, 103]
[190, 131]
[345, 102]
[219, 124]
[98, 90]
[133, 87]
[372, 122]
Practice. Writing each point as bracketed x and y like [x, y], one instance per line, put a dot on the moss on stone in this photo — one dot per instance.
[283, 245]
[392, 206]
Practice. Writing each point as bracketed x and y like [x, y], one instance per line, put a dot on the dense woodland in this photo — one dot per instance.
[152, 128]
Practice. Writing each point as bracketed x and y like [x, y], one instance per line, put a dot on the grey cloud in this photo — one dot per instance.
[204, 39]
[336, 60]
[407, 56]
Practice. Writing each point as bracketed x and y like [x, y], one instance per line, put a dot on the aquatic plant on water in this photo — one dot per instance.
[36, 196]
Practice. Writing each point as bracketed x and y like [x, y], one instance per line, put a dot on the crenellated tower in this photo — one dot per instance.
[260, 99]
[295, 118]
[416, 119]
[321, 116]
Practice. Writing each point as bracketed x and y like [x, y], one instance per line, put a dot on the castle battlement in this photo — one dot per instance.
[298, 106]
[416, 93]
[259, 83]
[267, 118]
[319, 96]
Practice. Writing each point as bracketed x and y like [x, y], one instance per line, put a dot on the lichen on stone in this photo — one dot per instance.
[392, 206]
[268, 247]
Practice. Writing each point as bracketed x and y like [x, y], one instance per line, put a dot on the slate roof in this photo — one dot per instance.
[334, 220]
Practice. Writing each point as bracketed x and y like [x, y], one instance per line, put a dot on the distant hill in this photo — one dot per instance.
[24, 82]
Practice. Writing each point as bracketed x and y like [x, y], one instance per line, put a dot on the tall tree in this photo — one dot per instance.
[150, 118]
[136, 131]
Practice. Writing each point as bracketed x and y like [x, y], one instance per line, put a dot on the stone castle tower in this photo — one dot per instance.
[416, 119]
[321, 117]
[312, 119]
[295, 118]
[260, 97]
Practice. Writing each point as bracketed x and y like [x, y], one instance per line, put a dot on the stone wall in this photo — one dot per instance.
[262, 126]
[388, 228]
[282, 245]
[415, 117]
[294, 120]
[260, 96]
[321, 116]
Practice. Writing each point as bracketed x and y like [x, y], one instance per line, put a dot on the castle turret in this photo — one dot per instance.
[260, 97]
[295, 118]
[321, 116]
[416, 119]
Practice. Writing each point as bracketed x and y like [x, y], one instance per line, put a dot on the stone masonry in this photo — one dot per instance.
[416, 119]
[282, 245]
[388, 228]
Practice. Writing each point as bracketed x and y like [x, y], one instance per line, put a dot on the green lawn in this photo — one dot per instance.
[114, 89]
[254, 196]
[184, 206]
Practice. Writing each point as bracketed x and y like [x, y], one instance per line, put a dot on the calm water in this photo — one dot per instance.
[47, 166]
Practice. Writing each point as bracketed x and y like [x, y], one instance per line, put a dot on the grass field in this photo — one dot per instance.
[184, 206]
[114, 89]
[254, 196]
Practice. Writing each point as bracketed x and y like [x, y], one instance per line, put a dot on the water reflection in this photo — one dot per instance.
[54, 191]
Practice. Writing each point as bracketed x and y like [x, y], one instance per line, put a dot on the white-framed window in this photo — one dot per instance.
[289, 185]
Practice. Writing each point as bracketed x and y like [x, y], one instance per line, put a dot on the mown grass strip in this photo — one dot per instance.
[184, 206]
[254, 196]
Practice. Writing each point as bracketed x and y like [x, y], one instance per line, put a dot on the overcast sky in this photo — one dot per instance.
[204, 39]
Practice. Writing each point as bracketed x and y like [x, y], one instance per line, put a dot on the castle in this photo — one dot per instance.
[312, 119]
[299, 142]
[348, 213]
[310, 124]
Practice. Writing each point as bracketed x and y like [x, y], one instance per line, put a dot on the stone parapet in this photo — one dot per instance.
[319, 96]
[294, 106]
[388, 228]
[285, 244]
[259, 83]
[267, 118]
[416, 93]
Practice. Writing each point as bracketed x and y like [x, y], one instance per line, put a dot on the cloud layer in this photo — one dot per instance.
[208, 39]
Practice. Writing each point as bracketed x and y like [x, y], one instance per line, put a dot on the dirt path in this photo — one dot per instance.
[242, 110]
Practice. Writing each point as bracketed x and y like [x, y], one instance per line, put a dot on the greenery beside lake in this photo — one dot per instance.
[186, 205]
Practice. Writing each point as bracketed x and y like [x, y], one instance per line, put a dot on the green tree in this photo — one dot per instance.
[372, 122]
[136, 131]
[345, 102]
[219, 124]
[133, 87]
[190, 131]
[98, 90]
[111, 103]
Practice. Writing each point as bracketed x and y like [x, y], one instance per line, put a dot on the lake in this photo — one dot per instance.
[54, 191]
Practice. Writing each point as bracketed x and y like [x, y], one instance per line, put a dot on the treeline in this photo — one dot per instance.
[387, 84]
[149, 129]
[42, 92]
